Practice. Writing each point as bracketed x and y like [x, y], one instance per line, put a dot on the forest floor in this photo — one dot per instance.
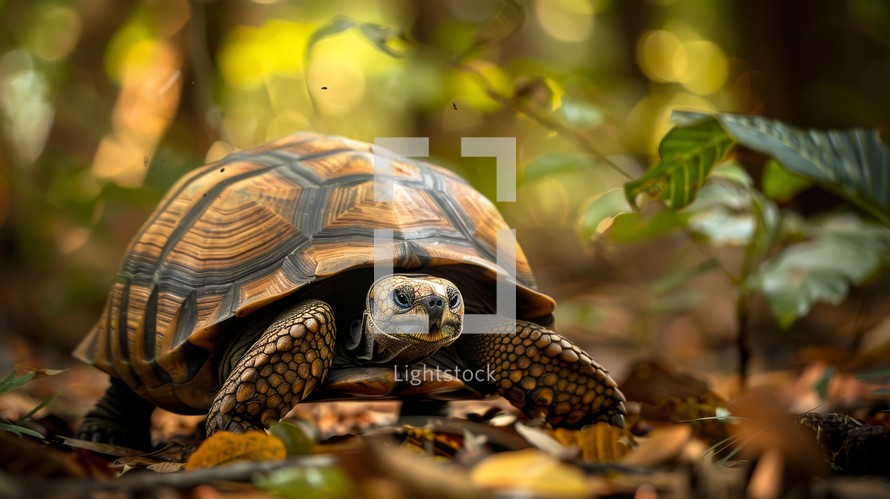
[683, 439]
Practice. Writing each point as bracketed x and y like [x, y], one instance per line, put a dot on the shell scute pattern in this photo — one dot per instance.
[242, 233]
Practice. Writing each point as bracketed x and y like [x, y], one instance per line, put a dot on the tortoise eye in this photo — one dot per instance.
[401, 299]
[453, 298]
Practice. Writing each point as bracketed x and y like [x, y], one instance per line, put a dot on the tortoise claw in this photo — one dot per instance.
[617, 420]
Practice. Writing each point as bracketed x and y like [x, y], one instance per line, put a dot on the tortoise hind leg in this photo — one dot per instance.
[545, 375]
[290, 359]
[120, 417]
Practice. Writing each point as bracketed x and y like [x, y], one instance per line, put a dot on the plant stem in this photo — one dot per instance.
[538, 116]
[742, 339]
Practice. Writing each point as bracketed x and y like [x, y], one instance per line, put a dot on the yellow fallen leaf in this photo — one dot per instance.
[225, 447]
[598, 443]
[663, 445]
[530, 472]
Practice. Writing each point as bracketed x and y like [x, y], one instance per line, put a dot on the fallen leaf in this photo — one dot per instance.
[653, 380]
[599, 443]
[529, 472]
[766, 480]
[311, 481]
[298, 435]
[225, 447]
[547, 443]
[662, 446]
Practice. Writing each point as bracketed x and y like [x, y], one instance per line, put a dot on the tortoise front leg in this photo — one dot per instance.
[545, 375]
[121, 417]
[282, 368]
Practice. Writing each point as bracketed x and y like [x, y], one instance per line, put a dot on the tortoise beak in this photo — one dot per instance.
[434, 306]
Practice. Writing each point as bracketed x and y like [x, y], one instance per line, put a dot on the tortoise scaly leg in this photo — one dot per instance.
[546, 375]
[282, 368]
[120, 418]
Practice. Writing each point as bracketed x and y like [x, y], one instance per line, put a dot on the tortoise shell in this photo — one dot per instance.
[265, 224]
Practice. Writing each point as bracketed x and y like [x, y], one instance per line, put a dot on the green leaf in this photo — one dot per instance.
[854, 163]
[549, 164]
[781, 185]
[41, 405]
[300, 482]
[378, 35]
[20, 430]
[599, 214]
[635, 226]
[687, 154]
[722, 211]
[845, 251]
[12, 381]
[298, 436]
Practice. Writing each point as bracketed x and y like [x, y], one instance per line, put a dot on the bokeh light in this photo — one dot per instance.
[104, 104]
[566, 20]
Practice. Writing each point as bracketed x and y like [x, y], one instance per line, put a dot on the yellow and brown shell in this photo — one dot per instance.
[260, 225]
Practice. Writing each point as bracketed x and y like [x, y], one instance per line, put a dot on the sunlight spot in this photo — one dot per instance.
[24, 105]
[565, 20]
[54, 33]
[71, 239]
[707, 69]
[661, 56]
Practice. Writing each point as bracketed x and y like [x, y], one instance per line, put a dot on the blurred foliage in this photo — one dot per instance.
[11, 382]
[793, 262]
[106, 103]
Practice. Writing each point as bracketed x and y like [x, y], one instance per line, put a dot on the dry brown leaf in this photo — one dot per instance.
[225, 447]
[598, 443]
[530, 472]
[653, 380]
[699, 412]
[663, 445]
[544, 441]
[764, 424]
[766, 481]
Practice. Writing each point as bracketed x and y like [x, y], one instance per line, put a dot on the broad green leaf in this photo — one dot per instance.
[853, 163]
[636, 226]
[781, 185]
[599, 214]
[724, 211]
[687, 154]
[611, 215]
[845, 251]
[549, 164]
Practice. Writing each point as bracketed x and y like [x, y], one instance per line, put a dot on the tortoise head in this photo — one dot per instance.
[407, 318]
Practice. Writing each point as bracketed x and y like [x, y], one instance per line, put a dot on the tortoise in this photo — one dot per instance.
[251, 288]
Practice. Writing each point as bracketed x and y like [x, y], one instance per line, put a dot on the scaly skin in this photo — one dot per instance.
[120, 418]
[545, 375]
[282, 368]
